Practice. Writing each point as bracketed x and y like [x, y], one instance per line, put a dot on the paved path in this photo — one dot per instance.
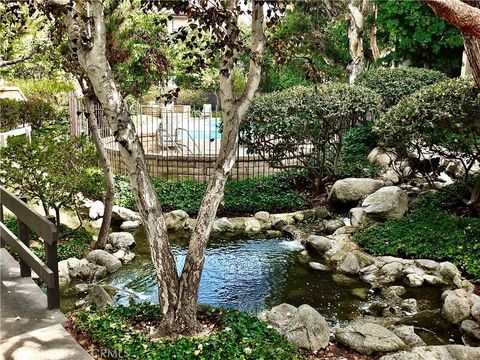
[28, 330]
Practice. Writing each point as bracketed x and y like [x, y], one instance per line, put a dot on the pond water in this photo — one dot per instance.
[252, 274]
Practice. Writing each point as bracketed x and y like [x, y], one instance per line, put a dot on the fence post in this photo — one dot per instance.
[25, 270]
[53, 293]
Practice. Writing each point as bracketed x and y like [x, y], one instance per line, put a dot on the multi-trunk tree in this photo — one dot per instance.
[178, 293]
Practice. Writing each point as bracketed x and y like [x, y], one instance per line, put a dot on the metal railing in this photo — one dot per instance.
[44, 227]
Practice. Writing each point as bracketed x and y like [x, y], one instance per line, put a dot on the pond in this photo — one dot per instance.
[252, 274]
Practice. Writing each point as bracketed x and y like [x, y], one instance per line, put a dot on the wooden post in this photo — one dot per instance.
[53, 293]
[25, 270]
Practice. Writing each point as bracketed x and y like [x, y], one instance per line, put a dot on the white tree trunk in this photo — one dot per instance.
[356, 25]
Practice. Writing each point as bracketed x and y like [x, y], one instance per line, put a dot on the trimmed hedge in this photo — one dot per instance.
[273, 193]
[393, 84]
[236, 335]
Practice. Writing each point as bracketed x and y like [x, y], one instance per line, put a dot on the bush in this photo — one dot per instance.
[357, 144]
[303, 126]
[53, 91]
[393, 84]
[33, 111]
[273, 193]
[72, 242]
[236, 335]
[442, 118]
[428, 232]
[195, 98]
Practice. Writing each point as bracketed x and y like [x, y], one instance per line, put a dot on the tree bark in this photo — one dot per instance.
[107, 173]
[472, 47]
[373, 35]
[460, 14]
[356, 25]
[93, 61]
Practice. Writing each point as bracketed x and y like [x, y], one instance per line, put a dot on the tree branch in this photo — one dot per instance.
[461, 15]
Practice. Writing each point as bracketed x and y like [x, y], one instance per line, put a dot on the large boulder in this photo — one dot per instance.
[221, 225]
[176, 220]
[368, 338]
[303, 326]
[381, 157]
[121, 214]
[440, 352]
[121, 240]
[103, 258]
[408, 335]
[99, 296]
[319, 244]
[96, 210]
[83, 269]
[352, 190]
[130, 225]
[471, 328]
[357, 216]
[349, 264]
[63, 272]
[389, 202]
[332, 225]
[456, 307]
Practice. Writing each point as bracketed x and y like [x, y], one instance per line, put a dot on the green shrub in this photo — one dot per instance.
[306, 124]
[357, 144]
[35, 112]
[194, 98]
[428, 232]
[393, 84]
[273, 193]
[72, 242]
[237, 335]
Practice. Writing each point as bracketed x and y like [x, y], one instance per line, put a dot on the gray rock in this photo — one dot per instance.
[357, 216]
[471, 328]
[440, 352]
[408, 335]
[368, 338]
[96, 210]
[448, 271]
[361, 293]
[427, 264]
[262, 216]
[100, 297]
[414, 280]
[381, 157]
[332, 225]
[63, 272]
[393, 270]
[319, 244]
[81, 288]
[409, 306]
[121, 240]
[475, 311]
[393, 292]
[278, 221]
[122, 214]
[304, 326]
[456, 307]
[318, 266]
[103, 258]
[344, 230]
[253, 226]
[349, 265]
[352, 189]
[176, 220]
[389, 202]
[221, 225]
[434, 280]
[130, 225]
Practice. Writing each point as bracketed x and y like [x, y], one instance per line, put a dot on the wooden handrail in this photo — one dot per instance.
[43, 226]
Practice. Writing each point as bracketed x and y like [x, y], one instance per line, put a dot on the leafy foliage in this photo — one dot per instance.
[49, 169]
[302, 127]
[428, 232]
[33, 111]
[442, 118]
[72, 242]
[357, 144]
[418, 36]
[237, 335]
[393, 84]
[274, 194]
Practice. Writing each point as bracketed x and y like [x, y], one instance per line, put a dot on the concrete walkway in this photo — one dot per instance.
[28, 330]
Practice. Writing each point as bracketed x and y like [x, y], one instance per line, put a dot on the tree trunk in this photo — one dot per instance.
[107, 173]
[472, 47]
[460, 14]
[356, 25]
[373, 35]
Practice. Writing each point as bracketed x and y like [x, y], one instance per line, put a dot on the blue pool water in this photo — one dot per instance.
[208, 130]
